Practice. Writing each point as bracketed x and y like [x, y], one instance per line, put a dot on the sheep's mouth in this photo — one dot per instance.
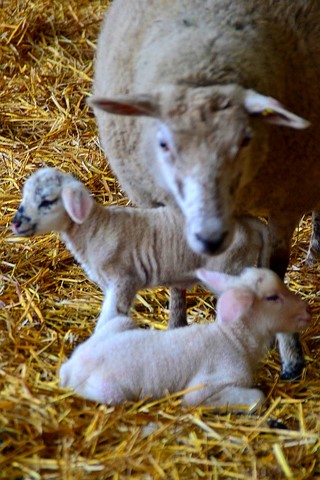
[27, 232]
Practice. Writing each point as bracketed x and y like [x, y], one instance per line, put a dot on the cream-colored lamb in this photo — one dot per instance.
[126, 249]
[218, 360]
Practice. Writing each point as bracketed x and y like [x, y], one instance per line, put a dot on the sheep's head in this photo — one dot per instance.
[259, 295]
[206, 144]
[51, 200]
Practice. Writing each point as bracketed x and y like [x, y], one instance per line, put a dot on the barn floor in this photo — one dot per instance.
[49, 306]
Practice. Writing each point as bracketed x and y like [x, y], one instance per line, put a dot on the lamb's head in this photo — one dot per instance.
[51, 201]
[207, 142]
[259, 295]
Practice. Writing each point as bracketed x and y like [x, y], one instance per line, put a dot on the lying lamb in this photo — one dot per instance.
[125, 249]
[121, 362]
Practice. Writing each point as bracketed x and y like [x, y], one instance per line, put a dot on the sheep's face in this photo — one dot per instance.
[41, 209]
[210, 142]
[202, 156]
[205, 144]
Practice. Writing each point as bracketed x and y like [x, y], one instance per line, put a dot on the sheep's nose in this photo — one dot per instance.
[308, 311]
[213, 247]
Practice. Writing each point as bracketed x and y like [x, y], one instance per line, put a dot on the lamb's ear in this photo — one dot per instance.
[77, 202]
[234, 304]
[272, 111]
[216, 281]
[133, 105]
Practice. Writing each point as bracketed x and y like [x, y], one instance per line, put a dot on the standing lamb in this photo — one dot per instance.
[196, 86]
[216, 360]
[126, 249]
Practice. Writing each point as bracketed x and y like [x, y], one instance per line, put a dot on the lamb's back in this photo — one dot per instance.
[144, 363]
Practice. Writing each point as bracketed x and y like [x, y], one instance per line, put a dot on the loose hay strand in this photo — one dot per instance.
[49, 306]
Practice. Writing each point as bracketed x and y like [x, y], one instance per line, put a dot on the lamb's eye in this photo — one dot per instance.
[164, 146]
[273, 298]
[47, 203]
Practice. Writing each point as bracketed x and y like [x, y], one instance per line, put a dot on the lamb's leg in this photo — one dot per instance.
[118, 324]
[117, 301]
[86, 376]
[177, 308]
[86, 371]
[314, 246]
[101, 389]
[291, 353]
[213, 395]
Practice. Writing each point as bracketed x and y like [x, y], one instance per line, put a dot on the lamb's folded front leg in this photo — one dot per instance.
[252, 398]
[118, 299]
[234, 396]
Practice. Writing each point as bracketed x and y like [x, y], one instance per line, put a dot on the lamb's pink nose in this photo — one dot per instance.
[15, 227]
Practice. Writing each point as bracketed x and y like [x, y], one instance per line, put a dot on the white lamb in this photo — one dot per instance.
[216, 360]
[126, 249]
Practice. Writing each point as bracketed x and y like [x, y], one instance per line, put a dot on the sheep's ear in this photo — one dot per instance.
[77, 202]
[234, 304]
[272, 111]
[133, 105]
[217, 282]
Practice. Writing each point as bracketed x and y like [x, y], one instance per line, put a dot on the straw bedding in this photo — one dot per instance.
[49, 306]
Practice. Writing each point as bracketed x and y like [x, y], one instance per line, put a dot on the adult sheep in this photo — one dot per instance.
[196, 86]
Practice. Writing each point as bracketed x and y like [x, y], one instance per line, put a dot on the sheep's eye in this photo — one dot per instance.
[47, 203]
[273, 298]
[245, 141]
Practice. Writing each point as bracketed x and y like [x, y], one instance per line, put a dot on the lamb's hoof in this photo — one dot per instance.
[293, 370]
[274, 423]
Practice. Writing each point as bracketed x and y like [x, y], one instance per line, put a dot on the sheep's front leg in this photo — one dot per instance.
[212, 395]
[177, 308]
[117, 301]
[314, 246]
[291, 353]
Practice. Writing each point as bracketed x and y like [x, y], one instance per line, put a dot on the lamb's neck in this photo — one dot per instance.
[251, 343]
[80, 238]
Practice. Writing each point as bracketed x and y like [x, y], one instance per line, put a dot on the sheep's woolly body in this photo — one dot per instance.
[265, 45]
[194, 72]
